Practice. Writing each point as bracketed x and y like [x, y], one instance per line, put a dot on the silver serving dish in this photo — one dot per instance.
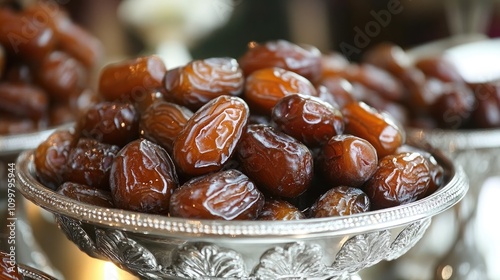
[160, 247]
[12, 145]
[477, 151]
[29, 273]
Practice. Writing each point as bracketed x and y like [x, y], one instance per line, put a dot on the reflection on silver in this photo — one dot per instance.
[11, 145]
[159, 247]
[30, 273]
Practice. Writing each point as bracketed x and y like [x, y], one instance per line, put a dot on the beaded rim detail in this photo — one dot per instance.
[442, 199]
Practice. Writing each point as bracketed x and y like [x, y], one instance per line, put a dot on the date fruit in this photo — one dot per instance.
[224, 195]
[340, 201]
[110, 122]
[61, 75]
[143, 178]
[23, 100]
[380, 130]
[51, 157]
[399, 179]
[89, 163]
[209, 138]
[128, 79]
[275, 161]
[347, 160]
[279, 210]
[305, 61]
[307, 119]
[200, 81]
[162, 122]
[266, 86]
[86, 194]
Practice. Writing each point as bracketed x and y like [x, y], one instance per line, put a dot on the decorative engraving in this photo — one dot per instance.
[74, 231]
[294, 261]
[362, 251]
[198, 260]
[126, 252]
[407, 239]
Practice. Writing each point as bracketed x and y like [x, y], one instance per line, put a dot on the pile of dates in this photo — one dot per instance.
[254, 138]
[426, 92]
[46, 62]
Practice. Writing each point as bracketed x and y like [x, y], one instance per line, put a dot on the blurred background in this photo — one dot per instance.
[224, 27]
[181, 30]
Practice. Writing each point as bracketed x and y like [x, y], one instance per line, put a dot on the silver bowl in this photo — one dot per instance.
[477, 151]
[160, 247]
[12, 145]
[30, 273]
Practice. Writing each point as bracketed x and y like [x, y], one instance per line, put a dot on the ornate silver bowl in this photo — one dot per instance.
[30, 273]
[160, 247]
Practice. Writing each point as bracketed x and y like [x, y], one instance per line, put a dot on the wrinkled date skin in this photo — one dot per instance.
[86, 194]
[307, 119]
[436, 170]
[162, 122]
[209, 138]
[224, 195]
[340, 201]
[128, 79]
[143, 178]
[365, 122]
[347, 160]
[8, 268]
[89, 163]
[275, 161]
[399, 179]
[51, 157]
[266, 86]
[280, 210]
[110, 122]
[23, 100]
[203, 80]
[305, 61]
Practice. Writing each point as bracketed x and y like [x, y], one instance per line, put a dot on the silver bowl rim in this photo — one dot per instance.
[444, 198]
[459, 139]
[31, 273]
[14, 144]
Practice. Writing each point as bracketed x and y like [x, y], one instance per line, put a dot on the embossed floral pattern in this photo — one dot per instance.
[126, 252]
[407, 239]
[362, 250]
[294, 261]
[195, 261]
[74, 232]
